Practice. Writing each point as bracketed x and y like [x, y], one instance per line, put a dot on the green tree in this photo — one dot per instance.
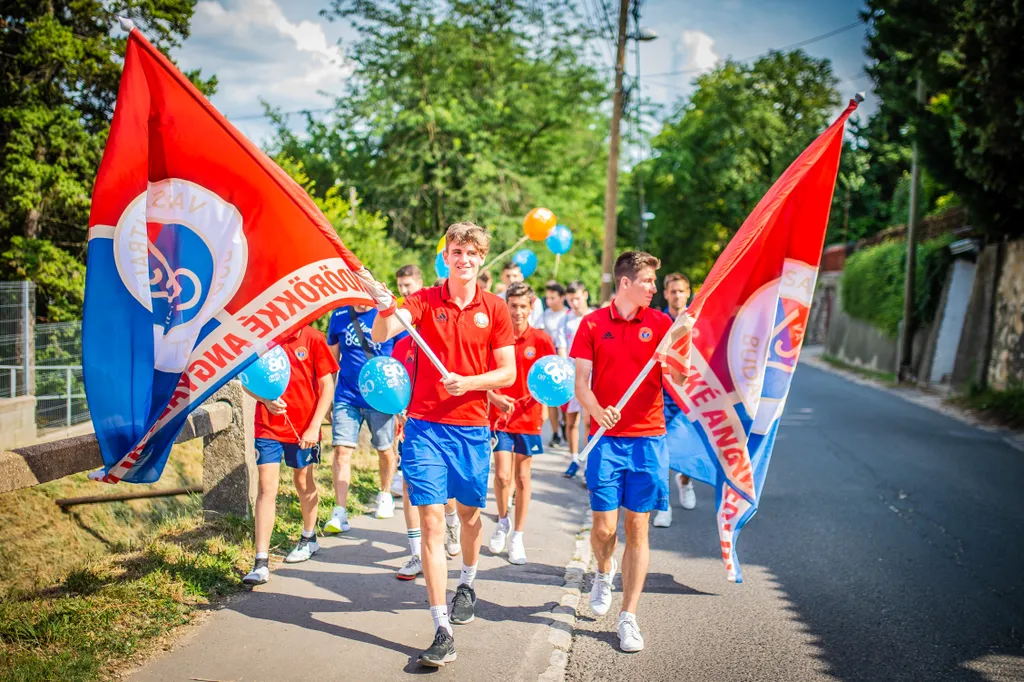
[721, 150]
[970, 129]
[60, 65]
[466, 111]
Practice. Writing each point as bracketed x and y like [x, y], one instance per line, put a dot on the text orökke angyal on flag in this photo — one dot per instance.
[202, 254]
[730, 372]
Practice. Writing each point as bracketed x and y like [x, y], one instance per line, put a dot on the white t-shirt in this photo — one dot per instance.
[551, 322]
[570, 324]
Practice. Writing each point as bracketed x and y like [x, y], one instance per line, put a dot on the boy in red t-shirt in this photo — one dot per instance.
[517, 420]
[289, 428]
[628, 467]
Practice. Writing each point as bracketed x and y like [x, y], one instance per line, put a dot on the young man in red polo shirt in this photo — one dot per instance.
[289, 428]
[629, 466]
[447, 448]
[517, 421]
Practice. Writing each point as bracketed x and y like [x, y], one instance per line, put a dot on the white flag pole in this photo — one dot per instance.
[434, 360]
[621, 404]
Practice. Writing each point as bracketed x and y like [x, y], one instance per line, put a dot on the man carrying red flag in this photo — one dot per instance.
[628, 467]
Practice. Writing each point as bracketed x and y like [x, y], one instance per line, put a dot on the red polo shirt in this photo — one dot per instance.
[404, 351]
[464, 341]
[528, 414]
[619, 349]
[310, 359]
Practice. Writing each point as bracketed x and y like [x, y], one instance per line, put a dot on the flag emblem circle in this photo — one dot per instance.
[180, 251]
[481, 320]
[646, 334]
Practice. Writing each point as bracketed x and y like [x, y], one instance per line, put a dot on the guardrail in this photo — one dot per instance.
[224, 422]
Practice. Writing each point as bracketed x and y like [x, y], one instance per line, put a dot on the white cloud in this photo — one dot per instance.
[698, 51]
[257, 52]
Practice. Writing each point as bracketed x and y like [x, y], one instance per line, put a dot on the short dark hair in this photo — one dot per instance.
[509, 265]
[575, 286]
[484, 277]
[410, 270]
[630, 263]
[438, 282]
[555, 287]
[519, 289]
[675, 277]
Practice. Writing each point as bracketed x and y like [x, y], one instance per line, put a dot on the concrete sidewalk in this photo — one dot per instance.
[344, 616]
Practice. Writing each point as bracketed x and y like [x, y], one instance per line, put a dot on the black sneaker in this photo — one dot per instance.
[555, 441]
[441, 651]
[463, 605]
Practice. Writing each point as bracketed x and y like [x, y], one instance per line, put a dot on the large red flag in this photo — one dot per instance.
[202, 254]
[728, 361]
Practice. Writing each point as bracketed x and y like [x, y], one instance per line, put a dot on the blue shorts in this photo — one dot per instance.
[441, 461]
[270, 451]
[630, 472]
[347, 420]
[528, 444]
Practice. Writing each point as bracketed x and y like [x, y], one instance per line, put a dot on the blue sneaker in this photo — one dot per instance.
[573, 469]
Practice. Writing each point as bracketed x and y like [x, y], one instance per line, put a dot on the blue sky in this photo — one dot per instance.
[284, 52]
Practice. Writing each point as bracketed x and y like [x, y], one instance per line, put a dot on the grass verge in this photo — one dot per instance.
[884, 377]
[80, 615]
[1005, 408]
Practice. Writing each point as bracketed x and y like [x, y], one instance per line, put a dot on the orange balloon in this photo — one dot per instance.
[538, 224]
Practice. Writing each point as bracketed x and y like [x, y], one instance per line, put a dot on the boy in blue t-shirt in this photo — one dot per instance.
[348, 336]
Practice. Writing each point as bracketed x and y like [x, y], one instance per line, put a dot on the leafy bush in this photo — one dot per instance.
[873, 279]
[59, 277]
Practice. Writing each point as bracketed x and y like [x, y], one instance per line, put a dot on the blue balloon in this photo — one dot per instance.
[268, 376]
[526, 260]
[552, 380]
[439, 266]
[384, 384]
[560, 240]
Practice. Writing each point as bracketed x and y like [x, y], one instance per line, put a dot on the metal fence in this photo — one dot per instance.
[17, 322]
[44, 360]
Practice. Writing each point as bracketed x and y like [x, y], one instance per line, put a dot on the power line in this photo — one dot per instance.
[823, 36]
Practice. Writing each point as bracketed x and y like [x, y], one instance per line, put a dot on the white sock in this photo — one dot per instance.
[440, 616]
[452, 519]
[575, 458]
[308, 533]
[468, 575]
[262, 555]
[503, 521]
[516, 535]
[626, 615]
[415, 537]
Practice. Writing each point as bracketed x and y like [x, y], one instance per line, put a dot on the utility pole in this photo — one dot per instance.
[638, 102]
[611, 195]
[906, 365]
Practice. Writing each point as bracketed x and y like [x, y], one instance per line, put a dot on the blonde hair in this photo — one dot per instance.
[468, 233]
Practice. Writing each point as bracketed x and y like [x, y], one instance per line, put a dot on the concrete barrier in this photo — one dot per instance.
[225, 423]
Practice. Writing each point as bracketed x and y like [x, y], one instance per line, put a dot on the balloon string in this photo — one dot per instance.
[505, 253]
[558, 257]
[290, 426]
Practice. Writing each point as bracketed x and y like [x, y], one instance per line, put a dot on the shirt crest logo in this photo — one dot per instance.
[530, 352]
[301, 352]
[481, 320]
[646, 334]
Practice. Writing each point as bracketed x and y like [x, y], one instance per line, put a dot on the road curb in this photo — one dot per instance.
[563, 616]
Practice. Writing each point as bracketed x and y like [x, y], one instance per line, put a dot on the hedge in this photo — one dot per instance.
[872, 282]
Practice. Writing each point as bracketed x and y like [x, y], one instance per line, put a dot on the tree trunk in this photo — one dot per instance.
[32, 223]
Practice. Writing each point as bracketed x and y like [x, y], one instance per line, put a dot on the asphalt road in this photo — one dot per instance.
[889, 545]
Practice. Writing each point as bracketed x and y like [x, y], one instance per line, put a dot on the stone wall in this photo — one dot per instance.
[1006, 364]
[17, 422]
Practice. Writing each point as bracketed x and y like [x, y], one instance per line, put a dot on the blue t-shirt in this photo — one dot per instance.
[352, 357]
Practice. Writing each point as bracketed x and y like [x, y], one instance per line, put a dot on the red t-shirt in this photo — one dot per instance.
[464, 341]
[619, 349]
[528, 414]
[310, 359]
[404, 351]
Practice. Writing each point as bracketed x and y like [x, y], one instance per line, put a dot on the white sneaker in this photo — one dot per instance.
[498, 538]
[305, 549]
[453, 539]
[338, 522]
[396, 484]
[663, 519]
[630, 639]
[516, 551]
[601, 592]
[258, 576]
[385, 506]
[412, 568]
[687, 497]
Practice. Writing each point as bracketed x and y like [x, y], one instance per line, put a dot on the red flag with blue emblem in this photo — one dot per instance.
[202, 254]
[729, 360]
